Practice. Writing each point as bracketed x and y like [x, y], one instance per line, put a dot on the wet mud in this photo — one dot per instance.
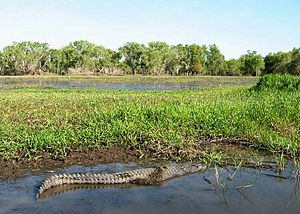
[16, 168]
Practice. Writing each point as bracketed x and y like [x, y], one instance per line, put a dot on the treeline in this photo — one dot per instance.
[155, 58]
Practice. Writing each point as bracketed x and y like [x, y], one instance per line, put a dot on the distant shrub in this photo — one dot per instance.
[279, 82]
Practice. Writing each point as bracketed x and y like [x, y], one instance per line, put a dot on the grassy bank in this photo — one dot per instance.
[165, 124]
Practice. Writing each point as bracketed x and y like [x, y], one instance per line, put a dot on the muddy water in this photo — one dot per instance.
[140, 86]
[246, 191]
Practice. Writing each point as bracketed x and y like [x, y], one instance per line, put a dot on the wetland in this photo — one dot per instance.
[236, 125]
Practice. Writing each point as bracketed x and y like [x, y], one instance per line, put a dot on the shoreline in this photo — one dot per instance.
[217, 152]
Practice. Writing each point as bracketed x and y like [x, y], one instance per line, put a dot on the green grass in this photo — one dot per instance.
[279, 82]
[162, 124]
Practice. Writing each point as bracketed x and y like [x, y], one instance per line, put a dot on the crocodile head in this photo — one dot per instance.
[182, 169]
[193, 167]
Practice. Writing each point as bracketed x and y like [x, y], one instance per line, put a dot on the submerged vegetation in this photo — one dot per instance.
[161, 124]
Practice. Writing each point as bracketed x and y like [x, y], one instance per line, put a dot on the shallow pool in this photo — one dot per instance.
[217, 190]
[81, 84]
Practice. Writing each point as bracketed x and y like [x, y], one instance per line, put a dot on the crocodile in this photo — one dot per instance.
[144, 176]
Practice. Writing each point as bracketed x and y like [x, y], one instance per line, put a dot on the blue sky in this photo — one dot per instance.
[234, 25]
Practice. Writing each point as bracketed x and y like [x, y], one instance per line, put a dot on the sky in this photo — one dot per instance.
[234, 25]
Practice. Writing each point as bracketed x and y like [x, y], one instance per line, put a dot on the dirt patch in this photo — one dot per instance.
[12, 168]
[238, 149]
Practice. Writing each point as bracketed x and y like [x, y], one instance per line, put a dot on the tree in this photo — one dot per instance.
[294, 65]
[233, 67]
[196, 59]
[277, 63]
[186, 59]
[1, 64]
[109, 62]
[215, 61]
[252, 63]
[83, 56]
[155, 58]
[176, 56]
[180, 63]
[25, 58]
[131, 54]
[56, 62]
